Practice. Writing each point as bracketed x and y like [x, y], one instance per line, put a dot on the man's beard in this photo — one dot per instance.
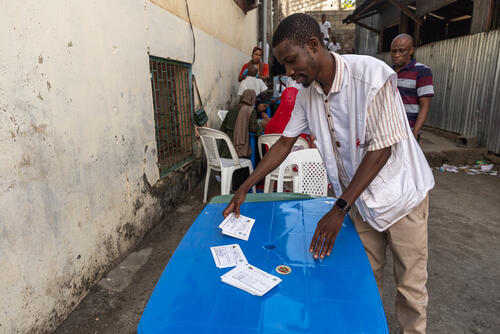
[311, 65]
[306, 84]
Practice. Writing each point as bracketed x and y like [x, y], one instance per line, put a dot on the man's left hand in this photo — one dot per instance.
[326, 232]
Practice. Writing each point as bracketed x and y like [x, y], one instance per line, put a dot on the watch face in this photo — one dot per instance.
[341, 203]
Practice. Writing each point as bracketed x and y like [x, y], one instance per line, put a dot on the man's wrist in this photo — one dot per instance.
[338, 210]
[245, 187]
[342, 205]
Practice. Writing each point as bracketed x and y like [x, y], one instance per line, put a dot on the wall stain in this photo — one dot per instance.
[110, 249]
[128, 231]
[138, 204]
[70, 44]
[40, 129]
[40, 59]
[147, 188]
[49, 86]
[25, 161]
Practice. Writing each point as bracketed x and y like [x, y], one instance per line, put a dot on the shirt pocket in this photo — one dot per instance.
[393, 185]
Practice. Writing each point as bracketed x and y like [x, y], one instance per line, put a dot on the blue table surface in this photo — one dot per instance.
[335, 295]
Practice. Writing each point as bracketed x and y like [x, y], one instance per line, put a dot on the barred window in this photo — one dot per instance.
[172, 98]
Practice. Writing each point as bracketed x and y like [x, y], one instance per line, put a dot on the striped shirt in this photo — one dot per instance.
[414, 82]
[384, 126]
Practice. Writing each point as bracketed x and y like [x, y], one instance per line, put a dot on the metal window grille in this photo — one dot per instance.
[172, 98]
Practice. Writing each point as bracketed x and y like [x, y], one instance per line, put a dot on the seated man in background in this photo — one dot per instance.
[333, 45]
[240, 122]
[252, 82]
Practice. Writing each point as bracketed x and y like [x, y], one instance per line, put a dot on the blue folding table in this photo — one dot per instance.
[334, 295]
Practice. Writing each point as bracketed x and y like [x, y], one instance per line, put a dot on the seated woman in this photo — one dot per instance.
[240, 122]
[256, 61]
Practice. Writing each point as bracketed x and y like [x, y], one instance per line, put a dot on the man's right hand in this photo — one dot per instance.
[234, 204]
[270, 162]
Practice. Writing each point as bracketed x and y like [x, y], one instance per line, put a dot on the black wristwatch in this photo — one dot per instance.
[342, 205]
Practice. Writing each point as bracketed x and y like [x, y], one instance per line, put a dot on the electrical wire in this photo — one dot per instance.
[192, 32]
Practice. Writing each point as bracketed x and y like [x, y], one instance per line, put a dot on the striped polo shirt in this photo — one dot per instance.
[414, 81]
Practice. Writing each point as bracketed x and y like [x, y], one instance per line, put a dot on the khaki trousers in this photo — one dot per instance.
[408, 242]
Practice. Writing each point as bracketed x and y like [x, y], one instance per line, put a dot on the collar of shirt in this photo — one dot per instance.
[407, 67]
[338, 79]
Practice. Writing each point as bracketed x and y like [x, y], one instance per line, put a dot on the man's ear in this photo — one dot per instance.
[314, 44]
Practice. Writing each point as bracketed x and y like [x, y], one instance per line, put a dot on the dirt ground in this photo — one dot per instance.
[464, 264]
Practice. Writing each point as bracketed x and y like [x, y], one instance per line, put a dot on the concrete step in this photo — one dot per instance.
[441, 148]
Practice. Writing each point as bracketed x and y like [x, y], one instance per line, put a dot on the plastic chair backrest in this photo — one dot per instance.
[271, 139]
[222, 114]
[267, 140]
[209, 140]
[312, 177]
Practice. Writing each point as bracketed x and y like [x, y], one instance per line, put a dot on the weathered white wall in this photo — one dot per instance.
[220, 18]
[77, 138]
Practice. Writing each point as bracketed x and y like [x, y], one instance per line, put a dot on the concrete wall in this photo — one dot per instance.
[78, 143]
[223, 19]
[343, 32]
[288, 7]
[315, 8]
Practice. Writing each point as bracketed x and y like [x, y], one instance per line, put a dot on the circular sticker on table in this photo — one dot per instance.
[283, 270]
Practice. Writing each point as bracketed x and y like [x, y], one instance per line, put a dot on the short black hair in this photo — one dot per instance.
[252, 71]
[298, 28]
[264, 97]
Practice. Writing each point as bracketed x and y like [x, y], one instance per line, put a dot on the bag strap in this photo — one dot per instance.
[197, 91]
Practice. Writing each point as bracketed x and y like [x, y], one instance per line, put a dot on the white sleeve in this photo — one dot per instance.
[263, 86]
[328, 24]
[242, 88]
[298, 121]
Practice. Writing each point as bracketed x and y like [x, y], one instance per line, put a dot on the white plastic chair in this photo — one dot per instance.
[269, 141]
[226, 167]
[222, 114]
[312, 178]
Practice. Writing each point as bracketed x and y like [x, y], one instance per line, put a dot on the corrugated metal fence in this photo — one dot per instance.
[466, 74]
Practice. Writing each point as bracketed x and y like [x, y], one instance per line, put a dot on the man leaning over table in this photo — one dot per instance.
[374, 163]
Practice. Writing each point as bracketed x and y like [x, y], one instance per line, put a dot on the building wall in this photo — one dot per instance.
[284, 8]
[222, 19]
[343, 32]
[78, 139]
[315, 8]
[289, 7]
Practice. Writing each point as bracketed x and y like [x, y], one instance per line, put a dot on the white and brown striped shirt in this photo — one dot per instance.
[384, 126]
